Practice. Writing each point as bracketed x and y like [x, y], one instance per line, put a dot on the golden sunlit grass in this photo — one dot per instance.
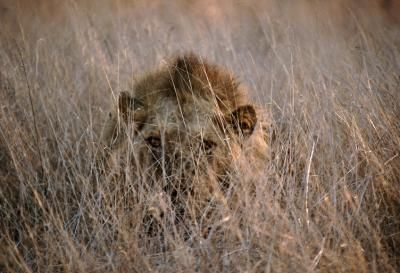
[327, 75]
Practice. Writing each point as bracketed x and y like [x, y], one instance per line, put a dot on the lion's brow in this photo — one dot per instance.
[155, 91]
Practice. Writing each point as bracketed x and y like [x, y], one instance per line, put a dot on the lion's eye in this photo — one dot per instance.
[208, 145]
[154, 141]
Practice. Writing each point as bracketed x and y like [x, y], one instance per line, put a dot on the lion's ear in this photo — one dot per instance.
[129, 107]
[243, 120]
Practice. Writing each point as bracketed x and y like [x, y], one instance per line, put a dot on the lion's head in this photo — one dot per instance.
[187, 122]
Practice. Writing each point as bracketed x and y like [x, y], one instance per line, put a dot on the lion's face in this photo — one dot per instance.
[187, 122]
[187, 140]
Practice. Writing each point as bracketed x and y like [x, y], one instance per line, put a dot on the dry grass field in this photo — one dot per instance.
[327, 75]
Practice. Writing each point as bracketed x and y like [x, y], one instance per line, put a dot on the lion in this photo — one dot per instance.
[188, 125]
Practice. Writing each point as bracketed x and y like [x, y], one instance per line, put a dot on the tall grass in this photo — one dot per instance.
[328, 75]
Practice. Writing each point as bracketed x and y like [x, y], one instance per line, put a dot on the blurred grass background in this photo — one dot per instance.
[327, 73]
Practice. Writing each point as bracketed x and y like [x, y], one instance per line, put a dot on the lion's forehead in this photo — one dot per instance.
[171, 118]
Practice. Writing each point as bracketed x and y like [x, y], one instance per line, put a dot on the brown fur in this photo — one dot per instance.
[188, 125]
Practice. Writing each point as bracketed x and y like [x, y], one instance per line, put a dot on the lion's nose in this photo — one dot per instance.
[180, 166]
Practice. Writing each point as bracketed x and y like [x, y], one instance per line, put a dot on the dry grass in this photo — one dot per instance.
[328, 75]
